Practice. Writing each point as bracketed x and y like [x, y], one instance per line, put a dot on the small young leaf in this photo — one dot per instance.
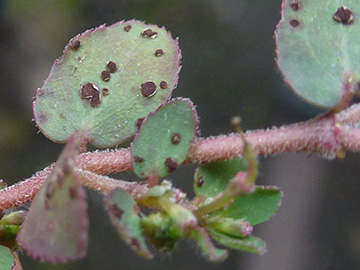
[55, 229]
[203, 240]
[124, 214]
[213, 178]
[7, 259]
[317, 49]
[164, 138]
[250, 243]
[107, 79]
[256, 207]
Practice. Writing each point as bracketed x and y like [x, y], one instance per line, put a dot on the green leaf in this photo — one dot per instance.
[55, 229]
[164, 138]
[256, 207]
[213, 178]
[104, 82]
[124, 215]
[7, 259]
[317, 49]
[250, 243]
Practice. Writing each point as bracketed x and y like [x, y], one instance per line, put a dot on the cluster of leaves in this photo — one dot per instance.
[115, 82]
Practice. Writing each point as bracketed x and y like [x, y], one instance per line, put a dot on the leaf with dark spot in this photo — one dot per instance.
[55, 229]
[164, 138]
[317, 49]
[120, 207]
[116, 58]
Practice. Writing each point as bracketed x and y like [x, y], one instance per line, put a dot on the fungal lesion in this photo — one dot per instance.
[149, 33]
[344, 16]
[295, 6]
[90, 92]
[148, 89]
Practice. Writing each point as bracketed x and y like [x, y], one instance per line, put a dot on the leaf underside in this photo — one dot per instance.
[164, 138]
[317, 49]
[55, 229]
[85, 92]
[124, 215]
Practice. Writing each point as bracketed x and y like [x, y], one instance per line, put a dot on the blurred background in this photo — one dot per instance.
[228, 69]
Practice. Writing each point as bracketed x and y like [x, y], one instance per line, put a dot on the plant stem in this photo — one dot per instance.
[330, 134]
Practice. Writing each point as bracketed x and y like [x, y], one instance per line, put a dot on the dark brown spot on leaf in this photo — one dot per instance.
[148, 89]
[88, 90]
[105, 91]
[148, 33]
[159, 52]
[127, 28]
[111, 67]
[343, 15]
[163, 85]
[171, 164]
[294, 23]
[75, 44]
[295, 6]
[134, 242]
[105, 76]
[95, 100]
[116, 211]
[139, 122]
[73, 193]
[200, 181]
[138, 159]
[175, 138]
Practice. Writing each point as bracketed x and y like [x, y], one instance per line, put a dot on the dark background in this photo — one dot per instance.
[228, 69]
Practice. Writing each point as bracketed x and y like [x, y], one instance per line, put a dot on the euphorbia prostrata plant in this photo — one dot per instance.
[114, 84]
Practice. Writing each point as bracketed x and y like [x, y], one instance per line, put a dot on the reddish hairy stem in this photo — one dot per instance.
[329, 134]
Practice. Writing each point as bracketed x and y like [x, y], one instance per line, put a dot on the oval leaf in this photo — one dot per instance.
[124, 215]
[256, 207]
[317, 49]
[55, 229]
[164, 138]
[106, 79]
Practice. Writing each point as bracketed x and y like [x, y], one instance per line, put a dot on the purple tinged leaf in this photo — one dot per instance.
[124, 215]
[55, 229]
